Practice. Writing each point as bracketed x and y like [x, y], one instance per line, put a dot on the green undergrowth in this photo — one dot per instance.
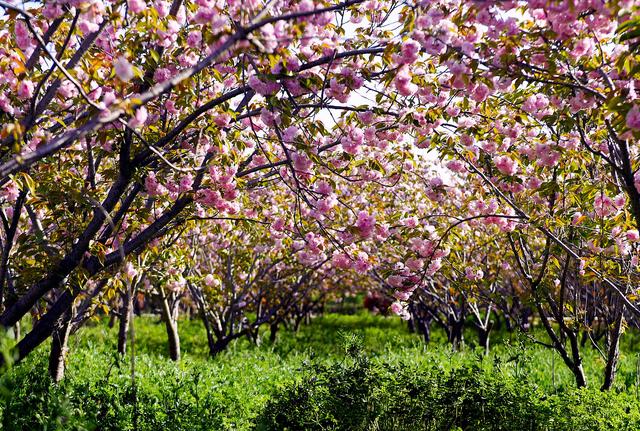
[340, 372]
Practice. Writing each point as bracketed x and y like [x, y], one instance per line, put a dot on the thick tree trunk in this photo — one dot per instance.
[613, 352]
[59, 347]
[125, 319]
[219, 346]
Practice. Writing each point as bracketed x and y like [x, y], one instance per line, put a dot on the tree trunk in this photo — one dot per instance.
[273, 331]
[581, 378]
[219, 346]
[411, 325]
[425, 329]
[456, 335]
[207, 326]
[483, 338]
[125, 317]
[578, 370]
[196, 293]
[614, 352]
[59, 347]
[172, 328]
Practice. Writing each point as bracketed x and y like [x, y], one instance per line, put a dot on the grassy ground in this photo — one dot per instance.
[230, 391]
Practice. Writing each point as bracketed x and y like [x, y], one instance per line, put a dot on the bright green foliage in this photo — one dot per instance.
[381, 378]
[359, 394]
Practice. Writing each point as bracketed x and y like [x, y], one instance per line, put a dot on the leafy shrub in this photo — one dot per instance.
[358, 394]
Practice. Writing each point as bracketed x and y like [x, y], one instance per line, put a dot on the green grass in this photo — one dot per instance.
[231, 390]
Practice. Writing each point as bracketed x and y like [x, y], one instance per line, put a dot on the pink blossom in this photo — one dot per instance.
[210, 198]
[261, 87]
[25, 89]
[633, 118]
[620, 200]
[365, 224]
[633, 235]
[10, 192]
[603, 205]
[162, 74]
[341, 261]
[129, 271]
[23, 38]
[5, 104]
[403, 82]
[301, 162]
[153, 187]
[278, 224]
[290, 133]
[186, 182]
[123, 69]
[410, 222]
[362, 264]
[456, 166]
[533, 183]
[480, 93]
[162, 7]
[139, 118]
[408, 52]
[323, 187]
[395, 280]
[194, 38]
[209, 280]
[137, 6]
[506, 165]
[87, 27]
[402, 295]
[582, 47]
[474, 275]
[414, 264]
[399, 309]
[222, 120]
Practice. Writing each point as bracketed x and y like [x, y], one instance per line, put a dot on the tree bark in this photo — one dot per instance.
[125, 318]
[613, 352]
[197, 295]
[483, 338]
[219, 346]
[59, 347]
[273, 331]
[456, 334]
[424, 327]
[172, 328]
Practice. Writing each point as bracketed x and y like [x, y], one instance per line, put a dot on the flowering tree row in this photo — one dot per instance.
[160, 133]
